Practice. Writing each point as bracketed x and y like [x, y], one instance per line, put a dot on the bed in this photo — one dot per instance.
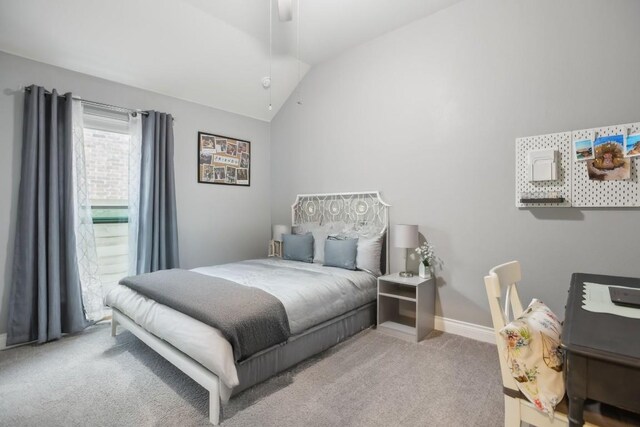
[324, 305]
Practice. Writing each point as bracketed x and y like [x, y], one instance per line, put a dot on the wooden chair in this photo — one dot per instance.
[517, 408]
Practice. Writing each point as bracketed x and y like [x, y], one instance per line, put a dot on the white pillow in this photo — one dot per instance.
[368, 255]
[320, 237]
[532, 342]
[320, 234]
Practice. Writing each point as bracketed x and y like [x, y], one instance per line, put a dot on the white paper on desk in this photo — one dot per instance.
[596, 298]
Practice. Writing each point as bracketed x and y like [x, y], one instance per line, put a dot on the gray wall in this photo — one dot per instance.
[216, 223]
[428, 114]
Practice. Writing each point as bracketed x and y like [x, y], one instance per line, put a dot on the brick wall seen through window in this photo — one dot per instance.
[107, 169]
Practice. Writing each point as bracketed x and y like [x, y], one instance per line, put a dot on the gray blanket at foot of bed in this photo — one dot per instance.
[249, 318]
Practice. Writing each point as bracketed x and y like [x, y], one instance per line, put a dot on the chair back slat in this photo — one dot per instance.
[516, 304]
[504, 278]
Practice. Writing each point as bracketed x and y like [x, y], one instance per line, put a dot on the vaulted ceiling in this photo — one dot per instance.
[213, 52]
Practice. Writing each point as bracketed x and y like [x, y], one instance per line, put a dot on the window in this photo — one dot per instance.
[107, 145]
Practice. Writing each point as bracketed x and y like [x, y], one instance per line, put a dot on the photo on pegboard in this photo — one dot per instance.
[609, 162]
[632, 145]
[583, 149]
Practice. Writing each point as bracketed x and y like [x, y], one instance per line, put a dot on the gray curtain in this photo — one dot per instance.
[45, 300]
[158, 224]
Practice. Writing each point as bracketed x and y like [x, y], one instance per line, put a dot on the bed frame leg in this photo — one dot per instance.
[114, 326]
[214, 407]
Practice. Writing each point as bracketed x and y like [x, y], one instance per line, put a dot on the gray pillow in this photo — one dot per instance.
[297, 247]
[340, 253]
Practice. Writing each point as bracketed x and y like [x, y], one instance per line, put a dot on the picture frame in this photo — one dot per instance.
[223, 160]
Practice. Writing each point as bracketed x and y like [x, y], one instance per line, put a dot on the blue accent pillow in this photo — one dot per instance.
[297, 247]
[340, 253]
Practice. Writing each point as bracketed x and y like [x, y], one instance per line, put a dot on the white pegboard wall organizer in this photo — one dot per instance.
[573, 183]
[559, 141]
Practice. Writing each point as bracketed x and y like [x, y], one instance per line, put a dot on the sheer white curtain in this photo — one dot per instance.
[93, 290]
[135, 160]
[92, 293]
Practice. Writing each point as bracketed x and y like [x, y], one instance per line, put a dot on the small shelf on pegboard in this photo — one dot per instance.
[543, 200]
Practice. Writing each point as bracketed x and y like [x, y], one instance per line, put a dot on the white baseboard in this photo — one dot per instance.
[3, 343]
[451, 326]
[465, 329]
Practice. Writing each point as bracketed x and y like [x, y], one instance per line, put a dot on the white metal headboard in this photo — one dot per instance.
[365, 210]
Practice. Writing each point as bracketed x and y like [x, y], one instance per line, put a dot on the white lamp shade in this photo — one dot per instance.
[278, 230]
[285, 10]
[405, 236]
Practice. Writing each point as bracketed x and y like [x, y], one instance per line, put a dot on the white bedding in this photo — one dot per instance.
[203, 343]
[310, 293]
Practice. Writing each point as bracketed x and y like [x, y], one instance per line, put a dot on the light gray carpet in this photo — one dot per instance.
[92, 379]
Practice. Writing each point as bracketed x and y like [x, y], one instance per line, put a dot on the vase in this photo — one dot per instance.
[424, 271]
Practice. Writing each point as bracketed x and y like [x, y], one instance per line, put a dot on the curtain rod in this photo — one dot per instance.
[102, 105]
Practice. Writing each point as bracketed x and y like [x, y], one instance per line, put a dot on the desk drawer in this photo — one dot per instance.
[614, 384]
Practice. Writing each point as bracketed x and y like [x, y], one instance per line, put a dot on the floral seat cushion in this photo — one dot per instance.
[534, 355]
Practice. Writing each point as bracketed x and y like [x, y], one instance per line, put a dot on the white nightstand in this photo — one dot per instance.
[406, 306]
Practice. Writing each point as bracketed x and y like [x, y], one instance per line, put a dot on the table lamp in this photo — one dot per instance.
[405, 236]
[275, 246]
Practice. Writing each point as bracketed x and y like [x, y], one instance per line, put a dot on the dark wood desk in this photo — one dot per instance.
[602, 352]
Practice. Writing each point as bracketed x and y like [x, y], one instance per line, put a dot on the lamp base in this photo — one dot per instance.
[275, 248]
[406, 274]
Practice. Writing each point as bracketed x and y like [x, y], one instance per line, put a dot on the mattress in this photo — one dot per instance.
[311, 294]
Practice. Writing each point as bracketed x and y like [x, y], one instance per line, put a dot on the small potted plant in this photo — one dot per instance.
[428, 259]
